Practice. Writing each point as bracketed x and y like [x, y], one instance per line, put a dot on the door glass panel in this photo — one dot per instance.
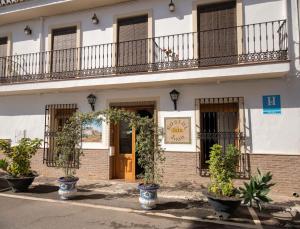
[125, 140]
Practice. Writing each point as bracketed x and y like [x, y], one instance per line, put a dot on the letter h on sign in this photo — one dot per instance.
[271, 104]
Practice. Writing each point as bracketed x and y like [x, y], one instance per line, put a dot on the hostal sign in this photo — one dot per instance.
[178, 130]
[9, 2]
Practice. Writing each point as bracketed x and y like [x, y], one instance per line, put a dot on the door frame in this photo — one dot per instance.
[114, 136]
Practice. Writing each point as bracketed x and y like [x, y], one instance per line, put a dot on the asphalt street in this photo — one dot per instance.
[31, 214]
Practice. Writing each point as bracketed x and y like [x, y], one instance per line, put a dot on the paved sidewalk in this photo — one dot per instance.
[184, 200]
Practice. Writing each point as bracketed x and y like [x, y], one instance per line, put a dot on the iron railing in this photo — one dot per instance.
[253, 43]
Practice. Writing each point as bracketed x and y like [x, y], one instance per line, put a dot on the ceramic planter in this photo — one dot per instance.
[148, 196]
[19, 184]
[67, 188]
[223, 206]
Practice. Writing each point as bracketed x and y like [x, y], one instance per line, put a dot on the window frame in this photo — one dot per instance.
[243, 169]
[49, 133]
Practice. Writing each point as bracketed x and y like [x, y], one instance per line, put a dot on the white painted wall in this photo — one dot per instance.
[165, 22]
[266, 134]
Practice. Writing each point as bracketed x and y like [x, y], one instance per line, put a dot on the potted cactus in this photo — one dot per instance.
[17, 163]
[222, 194]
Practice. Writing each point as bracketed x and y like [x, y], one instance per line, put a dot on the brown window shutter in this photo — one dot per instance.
[64, 42]
[3, 46]
[132, 42]
[217, 34]
[3, 53]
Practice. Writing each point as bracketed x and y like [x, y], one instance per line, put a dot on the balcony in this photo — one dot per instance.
[248, 44]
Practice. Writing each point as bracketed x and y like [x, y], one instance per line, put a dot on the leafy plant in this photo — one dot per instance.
[257, 190]
[17, 160]
[68, 146]
[222, 169]
[148, 139]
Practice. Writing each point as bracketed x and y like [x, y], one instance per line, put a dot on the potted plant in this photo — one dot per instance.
[68, 150]
[257, 190]
[151, 158]
[222, 194]
[17, 163]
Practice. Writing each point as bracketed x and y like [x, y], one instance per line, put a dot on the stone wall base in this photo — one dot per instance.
[181, 169]
[94, 165]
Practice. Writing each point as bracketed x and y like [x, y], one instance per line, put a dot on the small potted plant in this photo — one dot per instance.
[256, 191]
[222, 194]
[151, 157]
[68, 150]
[17, 163]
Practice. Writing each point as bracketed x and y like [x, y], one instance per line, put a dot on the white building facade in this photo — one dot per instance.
[234, 63]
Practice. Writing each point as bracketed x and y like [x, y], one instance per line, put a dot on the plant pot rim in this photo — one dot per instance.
[10, 177]
[64, 180]
[222, 198]
[142, 186]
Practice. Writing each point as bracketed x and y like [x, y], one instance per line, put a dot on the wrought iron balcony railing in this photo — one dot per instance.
[254, 43]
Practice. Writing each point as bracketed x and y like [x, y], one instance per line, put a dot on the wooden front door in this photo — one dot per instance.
[124, 151]
[124, 141]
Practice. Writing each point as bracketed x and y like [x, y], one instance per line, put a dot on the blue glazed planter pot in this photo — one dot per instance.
[67, 188]
[148, 196]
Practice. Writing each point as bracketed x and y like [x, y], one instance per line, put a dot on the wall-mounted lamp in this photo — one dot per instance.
[92, 100]
[27, 30]
[172, 6]
[174, 97]
[95, 19]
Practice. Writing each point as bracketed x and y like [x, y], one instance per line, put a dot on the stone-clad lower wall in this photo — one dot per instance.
[182, 167]
[94, 165]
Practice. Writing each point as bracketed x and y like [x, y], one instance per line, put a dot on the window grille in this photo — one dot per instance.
[221, 121]
[55, 117]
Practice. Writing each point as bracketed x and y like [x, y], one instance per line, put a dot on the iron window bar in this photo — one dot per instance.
[222, 122]
[56, 115]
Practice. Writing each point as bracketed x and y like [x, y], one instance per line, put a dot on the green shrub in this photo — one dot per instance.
[222, 169]
[17, 161]
[68, 146]
[257, 190]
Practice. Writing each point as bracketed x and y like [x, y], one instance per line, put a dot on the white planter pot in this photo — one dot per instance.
[67, 188]
[148, 196]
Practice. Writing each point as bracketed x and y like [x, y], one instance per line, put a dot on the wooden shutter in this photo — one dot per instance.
[64, 44]
[132, 43]
[3, 53]
[217, 34]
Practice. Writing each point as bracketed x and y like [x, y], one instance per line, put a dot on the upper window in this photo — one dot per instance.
[133, 43]
[217, 34]
[3, 53]
[64, 52]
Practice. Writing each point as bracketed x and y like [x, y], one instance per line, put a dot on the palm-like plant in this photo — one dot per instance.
[257, 190]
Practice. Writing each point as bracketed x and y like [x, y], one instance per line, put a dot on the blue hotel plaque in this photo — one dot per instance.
[271, 104]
